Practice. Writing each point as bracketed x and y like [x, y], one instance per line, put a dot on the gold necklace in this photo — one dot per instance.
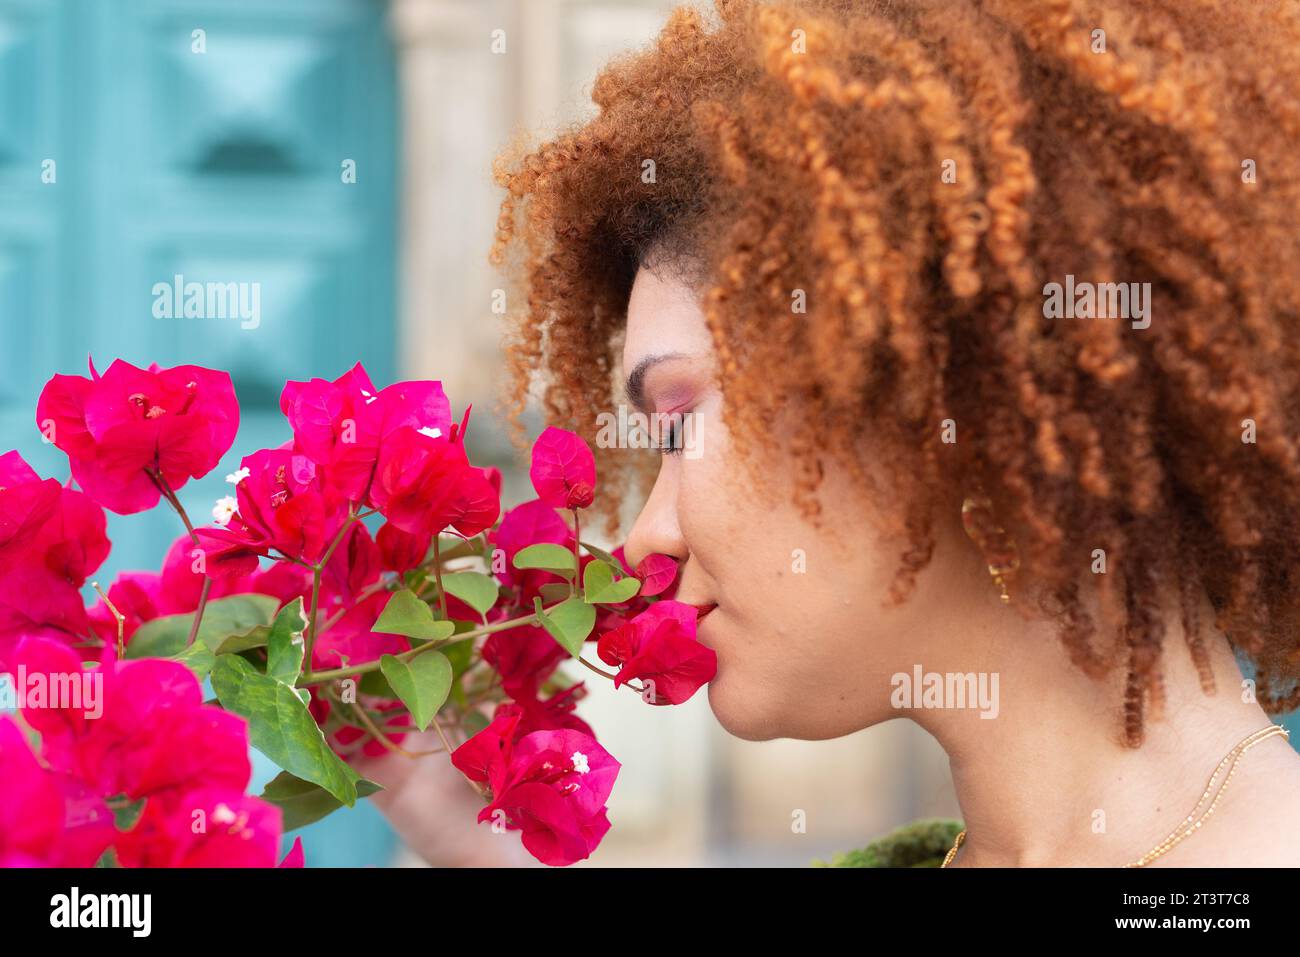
[1190, 824]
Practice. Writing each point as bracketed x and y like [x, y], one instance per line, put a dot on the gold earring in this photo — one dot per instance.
[999, 548]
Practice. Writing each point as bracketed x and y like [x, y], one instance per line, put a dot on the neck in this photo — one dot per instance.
[1049, 782]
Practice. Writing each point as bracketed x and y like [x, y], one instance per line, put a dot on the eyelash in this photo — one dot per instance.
[673, 445]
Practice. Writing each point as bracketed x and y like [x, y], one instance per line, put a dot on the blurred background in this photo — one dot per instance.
[337, 154]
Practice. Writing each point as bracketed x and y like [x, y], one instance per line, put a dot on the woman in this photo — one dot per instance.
[985, 316]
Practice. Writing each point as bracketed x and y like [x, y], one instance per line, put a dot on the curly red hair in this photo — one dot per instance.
[920, 171]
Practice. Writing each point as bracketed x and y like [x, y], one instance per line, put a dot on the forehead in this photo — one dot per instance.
[663, 316]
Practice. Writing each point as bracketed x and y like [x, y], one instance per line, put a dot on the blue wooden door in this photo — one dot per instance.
[214, 140]
[248, 144]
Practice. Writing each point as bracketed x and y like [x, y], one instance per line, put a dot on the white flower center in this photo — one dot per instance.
[579, 762]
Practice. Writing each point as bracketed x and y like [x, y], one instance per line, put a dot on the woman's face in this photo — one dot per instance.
[805, 647]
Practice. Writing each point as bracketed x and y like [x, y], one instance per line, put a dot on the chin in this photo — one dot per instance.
[752, 715]
[737, 715]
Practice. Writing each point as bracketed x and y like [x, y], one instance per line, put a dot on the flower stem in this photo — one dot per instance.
[575, 586]
[437, 574]
[316, 677]
[175, 502]
[315, 582]
[478, 788]
[605, 674]
[311, 617]
[121, 622]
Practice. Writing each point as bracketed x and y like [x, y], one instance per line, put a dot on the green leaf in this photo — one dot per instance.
[599, 587]
[374, 683]
[198, 658]
[125, 816]
[284, 644]
[222, 619]
[281, 727]
[603, 555]
[569, 622]
[475, 589]
[406, 615]
[461, 656]
[422, 683]
[474, 722]
[552, 592]
[302, 803]
[548, 557]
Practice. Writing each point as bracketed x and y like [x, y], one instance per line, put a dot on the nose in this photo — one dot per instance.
[656, 529]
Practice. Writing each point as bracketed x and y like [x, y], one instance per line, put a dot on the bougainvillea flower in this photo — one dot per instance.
[563, 469]
[183, 574]
[51, 539]
[551, 785]
[120, 427]
[551, 714]
[401, 551]
[524, 657]
[295, 856]
[659, 648]
[206, 827]
[154, 737]
[355, 564]
[655, 572]
[26, 503]
[425, 484]
[285, 504]
[46, 819]
[345, 423]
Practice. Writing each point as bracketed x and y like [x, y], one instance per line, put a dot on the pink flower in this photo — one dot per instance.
[206, 827]
[656, 573]
[345, 424]
[554, 713]
[26, 503]
[120, 427]
[524, 656]
[295, 856]
[284, 504]
[563, 470]
[154, 739]
[46, 819]
[51, 539]
[551, 785]
[425, 484]
[659, 648]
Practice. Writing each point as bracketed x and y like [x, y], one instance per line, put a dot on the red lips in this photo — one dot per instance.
[702, 610]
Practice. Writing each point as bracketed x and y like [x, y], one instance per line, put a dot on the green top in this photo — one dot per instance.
[922, 843]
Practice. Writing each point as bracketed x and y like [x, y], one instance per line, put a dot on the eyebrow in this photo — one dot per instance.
[635, 385]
